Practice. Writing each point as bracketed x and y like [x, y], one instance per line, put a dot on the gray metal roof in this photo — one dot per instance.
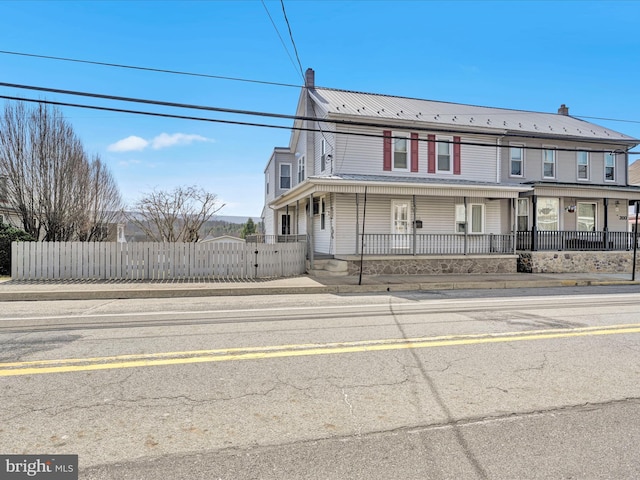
[460, 116]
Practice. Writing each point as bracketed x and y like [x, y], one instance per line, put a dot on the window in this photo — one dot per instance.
[547, 214]
[4, 193]
[443, 155]
[586, 217]
[400, 152]
[549, 163]
[583, 165]
[609, 167]
[267, 183]
[301, 167]
[523, 215]
[516, 156]
[472, 215]
[322, 213]
[285, 176]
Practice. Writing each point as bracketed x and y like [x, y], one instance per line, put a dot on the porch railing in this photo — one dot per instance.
[435, 244]
[574, 240]
[259, 238]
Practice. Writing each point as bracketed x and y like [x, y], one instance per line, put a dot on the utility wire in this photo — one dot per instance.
[295, 49]
[150, 69]
[350, 123]
[284, 45]
[282, 127]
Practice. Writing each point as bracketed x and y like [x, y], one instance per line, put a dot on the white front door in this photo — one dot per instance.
[400, 224]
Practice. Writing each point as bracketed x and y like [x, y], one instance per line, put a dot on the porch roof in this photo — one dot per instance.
[389, 185]
[556, 189]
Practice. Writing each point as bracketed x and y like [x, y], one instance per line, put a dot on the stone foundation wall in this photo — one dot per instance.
[430, 265]
[576, 262]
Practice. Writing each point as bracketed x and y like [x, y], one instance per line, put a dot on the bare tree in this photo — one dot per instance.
[176, 215]
[59, 192]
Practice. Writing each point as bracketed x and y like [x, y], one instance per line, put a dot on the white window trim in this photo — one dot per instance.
[578, 166]
[302, 169]
[555, 160]
[448, 140]
[528, 203]
[521, 147]
[614, 167]
[394, 137]
[469, 218]
[280, 176]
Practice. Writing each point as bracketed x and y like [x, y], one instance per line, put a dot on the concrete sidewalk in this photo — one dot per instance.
[87, 290]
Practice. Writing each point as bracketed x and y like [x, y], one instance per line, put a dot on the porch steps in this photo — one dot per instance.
[328, 268]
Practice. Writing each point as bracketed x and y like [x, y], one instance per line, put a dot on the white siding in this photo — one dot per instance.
[437, 216]
[364, 155]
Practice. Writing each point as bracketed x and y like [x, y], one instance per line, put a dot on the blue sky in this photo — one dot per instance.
[511, 54]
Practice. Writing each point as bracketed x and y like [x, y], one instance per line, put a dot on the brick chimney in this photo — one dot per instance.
[310, 78]
[563, 110]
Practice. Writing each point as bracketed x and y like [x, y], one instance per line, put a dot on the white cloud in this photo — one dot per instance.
[165, 140]
[129, 144]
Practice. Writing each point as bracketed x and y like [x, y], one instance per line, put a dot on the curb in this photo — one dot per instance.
[330, 289]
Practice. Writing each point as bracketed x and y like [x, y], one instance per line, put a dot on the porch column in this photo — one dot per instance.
[297, 218]
[534, 223]
[514, 223]
[605, 233]
[288, 230]
[414, 225]
[310, 231]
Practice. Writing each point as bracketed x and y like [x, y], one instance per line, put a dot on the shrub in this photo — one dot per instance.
[10, 234]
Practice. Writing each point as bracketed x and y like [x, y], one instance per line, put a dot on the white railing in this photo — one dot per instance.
[435, 244]
[154, 261]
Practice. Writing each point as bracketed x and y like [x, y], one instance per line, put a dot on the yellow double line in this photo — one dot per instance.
[280, 351]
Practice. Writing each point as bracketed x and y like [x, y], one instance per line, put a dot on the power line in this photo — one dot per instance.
[350, 123]
[284, 45]
[150, 69]
[295, 49]
[608, 119]
[281, 127]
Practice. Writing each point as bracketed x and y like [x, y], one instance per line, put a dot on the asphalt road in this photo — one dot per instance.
[512, 384]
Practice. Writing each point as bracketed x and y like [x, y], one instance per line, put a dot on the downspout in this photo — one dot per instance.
[357, 223]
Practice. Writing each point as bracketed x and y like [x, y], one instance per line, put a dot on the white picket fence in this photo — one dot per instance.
[154, 261]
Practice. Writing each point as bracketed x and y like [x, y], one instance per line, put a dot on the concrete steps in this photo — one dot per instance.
[328, 268]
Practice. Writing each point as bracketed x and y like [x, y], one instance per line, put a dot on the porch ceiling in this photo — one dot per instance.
[397, 186]
[586, 191]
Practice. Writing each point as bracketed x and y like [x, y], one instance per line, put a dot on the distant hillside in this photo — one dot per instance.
[232, 219]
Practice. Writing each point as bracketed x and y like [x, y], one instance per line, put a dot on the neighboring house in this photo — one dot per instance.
[388, 177]
[8, 214]
[224, 239]
[634, 173]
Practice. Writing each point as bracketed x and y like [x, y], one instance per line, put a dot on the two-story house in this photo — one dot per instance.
[419, 186]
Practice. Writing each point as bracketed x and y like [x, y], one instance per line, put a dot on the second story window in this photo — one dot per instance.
[609, 167]
[301, 167]
[267, 183]
[400, 153]
[583, 165]
[285, 176]
[443, 155]
[516, 156]
[549, 163]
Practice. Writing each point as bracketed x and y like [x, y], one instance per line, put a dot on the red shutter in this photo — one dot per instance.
[414, 152]
[456, 155]
[431, 150]
[386, 163]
